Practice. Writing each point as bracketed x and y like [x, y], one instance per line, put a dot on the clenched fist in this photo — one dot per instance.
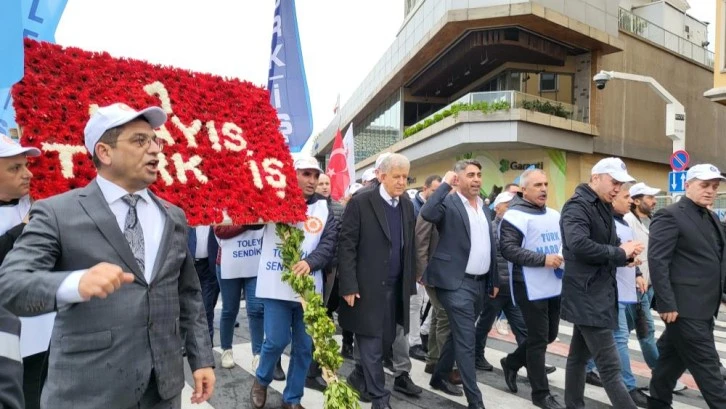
[102, 280]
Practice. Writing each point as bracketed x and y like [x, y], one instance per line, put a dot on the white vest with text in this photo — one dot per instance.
[241, 254]
[542, 235]
[627, 292]
[269, 276]
[35, 331]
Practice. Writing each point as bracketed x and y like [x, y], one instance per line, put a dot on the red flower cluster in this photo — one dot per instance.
[52, 105]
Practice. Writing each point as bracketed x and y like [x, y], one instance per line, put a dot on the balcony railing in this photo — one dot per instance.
[499, 100]
[643, 28]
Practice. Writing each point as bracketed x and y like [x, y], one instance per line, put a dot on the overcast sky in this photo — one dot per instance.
[341, 39]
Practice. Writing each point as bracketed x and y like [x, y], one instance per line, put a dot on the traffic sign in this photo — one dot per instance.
[679, 160]
[677, 181]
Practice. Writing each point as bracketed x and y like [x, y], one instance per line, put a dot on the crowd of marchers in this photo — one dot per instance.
[132, 288]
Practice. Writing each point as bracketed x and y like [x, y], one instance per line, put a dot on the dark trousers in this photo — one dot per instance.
[210, 290]
[371, 349]
[489, 313]
[688, 344]
[462, 306]
[599, 343]
[152, 400]
[35, 370]
[542, 318]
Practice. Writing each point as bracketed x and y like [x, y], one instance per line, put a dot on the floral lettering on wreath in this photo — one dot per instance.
[224, 154]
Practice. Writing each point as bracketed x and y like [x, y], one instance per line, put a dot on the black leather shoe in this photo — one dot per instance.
[549, 369]
[593, 379]
[317, 383]
[356, 381]
[549, 402]
[429, 369]
[638, 398]
[483, 365]
[654, 403]
[446, 387]
[278, 374]
[404, 384]
[417, 352]
[347, 351]
[510, 376]
[476, 406]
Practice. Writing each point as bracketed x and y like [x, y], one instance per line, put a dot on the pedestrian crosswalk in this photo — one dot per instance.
[233, 385]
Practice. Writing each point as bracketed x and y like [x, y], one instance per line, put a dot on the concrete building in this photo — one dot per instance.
[509, 82]
[718, 92]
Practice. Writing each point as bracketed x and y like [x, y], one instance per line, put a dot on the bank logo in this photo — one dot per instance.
[503, 165]
[313, 225]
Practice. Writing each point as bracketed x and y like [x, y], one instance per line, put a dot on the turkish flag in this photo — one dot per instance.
[338, 169]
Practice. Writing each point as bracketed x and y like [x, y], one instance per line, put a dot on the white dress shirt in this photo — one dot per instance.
[480, 256]
[152, 221]
[388, 197]
[202, 233]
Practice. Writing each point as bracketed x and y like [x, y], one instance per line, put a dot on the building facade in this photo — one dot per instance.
[718, 92]
[509, 82]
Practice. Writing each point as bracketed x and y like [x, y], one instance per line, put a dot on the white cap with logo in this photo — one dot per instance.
[503, 197]
[9, 147]
[115, 115]
[641, 189]
[614, 167]
[704, 171]
[354, 188]
[307, 162]
[368, 175]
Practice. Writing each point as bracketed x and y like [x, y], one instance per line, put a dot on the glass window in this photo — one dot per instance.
[547, 82]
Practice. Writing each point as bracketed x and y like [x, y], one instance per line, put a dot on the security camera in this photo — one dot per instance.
[601, 79]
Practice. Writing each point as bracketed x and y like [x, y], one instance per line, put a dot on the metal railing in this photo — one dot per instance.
[644, 28]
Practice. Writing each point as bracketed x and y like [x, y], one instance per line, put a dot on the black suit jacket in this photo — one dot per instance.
[363, 248]
[686, 268]
[448, 262]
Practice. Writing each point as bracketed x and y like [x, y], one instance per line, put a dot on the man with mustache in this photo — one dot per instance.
[687, 263]
[530, 241]
[111, 259]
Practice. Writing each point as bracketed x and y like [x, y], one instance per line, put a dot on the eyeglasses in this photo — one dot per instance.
[144, 141]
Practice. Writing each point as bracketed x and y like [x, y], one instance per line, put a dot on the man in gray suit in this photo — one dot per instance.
[112, 259]
[462, 269]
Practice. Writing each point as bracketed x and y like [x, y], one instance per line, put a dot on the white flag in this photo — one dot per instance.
[349, 147]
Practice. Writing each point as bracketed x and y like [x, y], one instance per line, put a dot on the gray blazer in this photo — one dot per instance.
[102, 352]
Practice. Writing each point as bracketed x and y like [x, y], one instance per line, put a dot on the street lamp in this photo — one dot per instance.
[675, 112]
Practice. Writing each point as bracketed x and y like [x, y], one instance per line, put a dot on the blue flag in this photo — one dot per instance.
[11, 42]
[38, 19]
[286, 82]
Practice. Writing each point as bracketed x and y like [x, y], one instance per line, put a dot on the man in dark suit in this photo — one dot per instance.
[687, 266]
[377, 289]
[462, 269]
[204, 247]
[111, 259]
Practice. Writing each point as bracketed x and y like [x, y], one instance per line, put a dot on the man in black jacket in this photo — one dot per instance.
[687, 264]
[530, 240]
[592, 252]
[377, 221]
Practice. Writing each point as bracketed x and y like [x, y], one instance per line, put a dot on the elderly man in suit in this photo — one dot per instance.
[688, 268]
[463, 270]
[112, 259]
[377, 288]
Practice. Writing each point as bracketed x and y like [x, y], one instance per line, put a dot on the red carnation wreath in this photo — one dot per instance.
[223, 154]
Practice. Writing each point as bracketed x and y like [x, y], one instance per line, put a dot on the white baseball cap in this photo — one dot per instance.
[368, 175]
[307, 162]
[9, 147]
[503, 197]
[614, 167]
[382, 156]
[354, 188]
[704, 171]
[641, 188]
[115, 115]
